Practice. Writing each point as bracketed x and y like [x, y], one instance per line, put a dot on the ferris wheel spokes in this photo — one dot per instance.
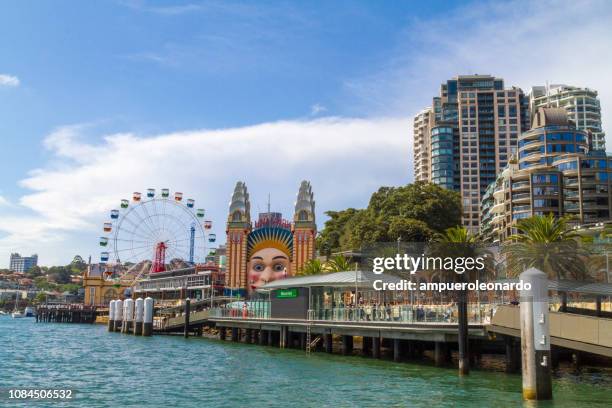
[164, 232]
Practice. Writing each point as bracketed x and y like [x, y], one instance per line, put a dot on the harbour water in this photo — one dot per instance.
[110, 370]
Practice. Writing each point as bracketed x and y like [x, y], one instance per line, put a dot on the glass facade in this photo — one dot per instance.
[442, 163]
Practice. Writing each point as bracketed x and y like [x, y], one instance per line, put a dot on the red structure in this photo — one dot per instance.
[159, 264]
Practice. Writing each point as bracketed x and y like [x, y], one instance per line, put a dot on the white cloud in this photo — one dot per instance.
[345, 159]
[316, 109]
[8, 80]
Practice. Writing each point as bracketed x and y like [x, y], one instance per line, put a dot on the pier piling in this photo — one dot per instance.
[111, 315]
[397, 350]
[138, 315]
[347, 345]
[147, 323]
[329, 344]
[128, 315]
[535, 336]
[440, 353]
[375, 347]
[118, 315]
[270, 338]
[187, 312]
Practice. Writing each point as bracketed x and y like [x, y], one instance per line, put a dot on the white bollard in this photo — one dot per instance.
[111, 315]
[535, 336]
[128, 315]
[138, 315]
[147, 324]
[118, 315]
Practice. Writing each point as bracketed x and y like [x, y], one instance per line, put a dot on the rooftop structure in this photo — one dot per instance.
[581, 105]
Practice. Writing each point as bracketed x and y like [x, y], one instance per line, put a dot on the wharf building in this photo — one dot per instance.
[555, 174]
[581, 105]
[467, 137]
[22, 264]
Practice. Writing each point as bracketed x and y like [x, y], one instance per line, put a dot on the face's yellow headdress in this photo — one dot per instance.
[270, 237]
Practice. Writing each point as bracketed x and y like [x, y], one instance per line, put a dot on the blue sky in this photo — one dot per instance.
[99, 99]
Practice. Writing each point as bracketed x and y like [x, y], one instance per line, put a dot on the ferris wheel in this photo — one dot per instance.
[151, 234]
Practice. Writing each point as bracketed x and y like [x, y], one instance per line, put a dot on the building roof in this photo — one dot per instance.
[550, 117]
[350, 279]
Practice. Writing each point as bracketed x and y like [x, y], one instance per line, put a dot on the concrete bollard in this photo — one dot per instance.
[118, 315]
[128, 315]
[138, 315]
[111, 315]
[147, 320]
[535, 336]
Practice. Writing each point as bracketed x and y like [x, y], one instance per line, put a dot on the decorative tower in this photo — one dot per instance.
[304, 227]
[238, 229]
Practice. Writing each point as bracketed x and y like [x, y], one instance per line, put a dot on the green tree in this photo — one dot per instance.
[42, 283]
[70, 287]
[34, 272]
[60, 274]
[548, 244]
[339, 263]
[40, 298]
[311, 267]
[412, 213]
[329, 238]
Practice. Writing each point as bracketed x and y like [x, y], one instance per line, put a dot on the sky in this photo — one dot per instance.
[101, 99]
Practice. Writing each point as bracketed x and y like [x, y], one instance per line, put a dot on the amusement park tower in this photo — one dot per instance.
[304, 227]
[238, 229]
[271, 248]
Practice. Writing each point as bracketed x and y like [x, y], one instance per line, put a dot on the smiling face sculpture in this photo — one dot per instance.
[269, 256]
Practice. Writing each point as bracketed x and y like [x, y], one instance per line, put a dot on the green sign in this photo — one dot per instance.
[286, 293]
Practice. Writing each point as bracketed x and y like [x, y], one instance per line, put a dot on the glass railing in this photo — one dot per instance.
[520, 196]
[407, 314]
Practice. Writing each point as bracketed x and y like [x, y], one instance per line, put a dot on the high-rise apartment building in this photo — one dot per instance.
[22, 263]
[581, 105]
[555, 174]
[422, 144]
[473, 134]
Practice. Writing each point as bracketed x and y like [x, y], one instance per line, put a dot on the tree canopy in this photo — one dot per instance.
[415, 212]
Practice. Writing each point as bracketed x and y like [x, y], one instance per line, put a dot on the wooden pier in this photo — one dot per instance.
[65, 313]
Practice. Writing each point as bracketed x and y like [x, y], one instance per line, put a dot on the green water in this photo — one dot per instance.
[112, 370]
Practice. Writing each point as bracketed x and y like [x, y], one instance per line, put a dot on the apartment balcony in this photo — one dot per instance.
[521, 185]
[521, 197]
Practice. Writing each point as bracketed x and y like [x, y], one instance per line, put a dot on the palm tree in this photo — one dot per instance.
[339, 263]
[312, 267]
[548, 244]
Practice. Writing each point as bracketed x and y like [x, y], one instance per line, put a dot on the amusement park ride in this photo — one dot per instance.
[153, 234]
